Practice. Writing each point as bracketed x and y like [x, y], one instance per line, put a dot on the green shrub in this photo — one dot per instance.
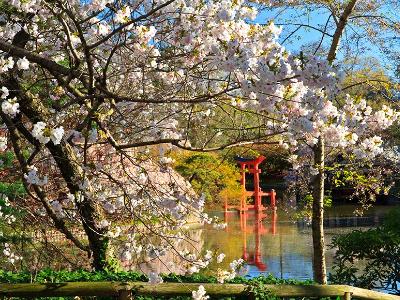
[370, 259]
[210, 175]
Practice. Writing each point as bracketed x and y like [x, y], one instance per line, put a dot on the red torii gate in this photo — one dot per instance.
[251, 166]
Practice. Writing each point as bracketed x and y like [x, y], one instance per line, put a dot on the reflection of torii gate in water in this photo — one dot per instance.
[251, 166]
[255, 257]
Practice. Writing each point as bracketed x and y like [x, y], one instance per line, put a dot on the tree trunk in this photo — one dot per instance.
[319, 263]
[72, 172]
[89, 210]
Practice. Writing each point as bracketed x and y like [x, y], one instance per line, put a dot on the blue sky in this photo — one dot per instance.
[318, 19]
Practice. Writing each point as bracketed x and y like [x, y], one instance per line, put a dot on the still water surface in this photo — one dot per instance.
[278, 245]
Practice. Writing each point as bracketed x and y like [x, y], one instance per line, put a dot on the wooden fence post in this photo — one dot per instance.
[347, 296]
[125, 295]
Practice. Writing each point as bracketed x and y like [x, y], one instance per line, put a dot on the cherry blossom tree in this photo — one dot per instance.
[94, 94]
[353, 29]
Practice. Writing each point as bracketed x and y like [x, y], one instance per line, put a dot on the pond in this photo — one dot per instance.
[270, 243]
[273, 243]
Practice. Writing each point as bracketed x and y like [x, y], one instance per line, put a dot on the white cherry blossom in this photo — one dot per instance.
[155, 278]
[10, 107]
[23, 63]
[32, 177]
[57, 135]
[200, 294]
[38, 132]
[3, 143]
[220, 257]
[5, 92]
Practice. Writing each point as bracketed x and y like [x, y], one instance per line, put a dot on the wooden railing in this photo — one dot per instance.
[128, 290]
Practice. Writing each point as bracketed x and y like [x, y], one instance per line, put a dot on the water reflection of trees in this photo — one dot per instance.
[280, 248]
